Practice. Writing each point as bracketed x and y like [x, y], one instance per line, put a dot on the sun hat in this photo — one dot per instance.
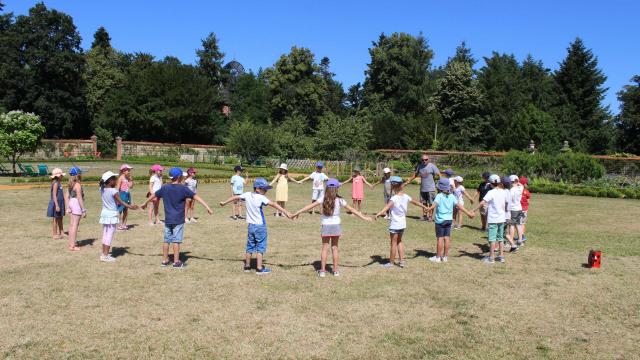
[319, 164]
[75, 171]
[175, 172]
[128, 167]
[523, 180]
[333, 183]
[184, 173]
[513, 178]
[458, 179]
[191, 171]
[444, 185]
[261, 183]
[494, 179]
[396, 180]
[386, 171]
[449, 172]
[108, 175]
[506, 181]
[284, 166]
[485, 175]
[238, 168]
[57, 172]
[356, 169]
[157, 167]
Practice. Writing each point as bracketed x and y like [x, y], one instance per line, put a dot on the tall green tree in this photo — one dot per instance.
[250, 99]
[581, 89]
[538, 85]
[628, 121]
[20, 133]
[335, 98]
[463, 55]
[48, 74]
[531, 123]
[211, 59]
[336, 135]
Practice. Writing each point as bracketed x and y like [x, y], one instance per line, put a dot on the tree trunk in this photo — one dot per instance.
[13, 162]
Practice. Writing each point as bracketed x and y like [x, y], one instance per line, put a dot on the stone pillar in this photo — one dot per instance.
[118, 148]
[94, 146]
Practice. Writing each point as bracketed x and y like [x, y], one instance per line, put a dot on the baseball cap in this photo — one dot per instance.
[356, 169]
[524, 180]
[494, 179]
[284, 166]
[506, 180]
[319, 164]
[333, 183]
[175, 172]
[513, 178]
[261, 183]
[74, 171]
[56, 173]
[108, 175]
[386, 171]
[485, 175]
[449, 172]
[444, 185]
[238, 168]
[128, 167]
[191, 171]
[458, 179]
[157, 167]
[395, 180]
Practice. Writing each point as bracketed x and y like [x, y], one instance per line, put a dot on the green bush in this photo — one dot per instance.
[570, 167]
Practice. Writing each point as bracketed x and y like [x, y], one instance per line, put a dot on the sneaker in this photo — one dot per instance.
[401, 264]
[187, 221]
[194, 220]
[263, 271]
[387, 265]
[514, 249]
[178, 265]
[165, 263]
[336, 273]
[241, 217]
[435, 259]
[500, 259]
[234, 217]
[107, 258]
[151, 223]
[524, 238]
[444, 259]
[488, 260]
[322, 274]
[246, 269]
[519, 243]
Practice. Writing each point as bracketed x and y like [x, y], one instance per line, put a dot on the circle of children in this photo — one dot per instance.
[503, 206]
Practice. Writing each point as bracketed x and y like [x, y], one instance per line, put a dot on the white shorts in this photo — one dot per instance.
[317, 194]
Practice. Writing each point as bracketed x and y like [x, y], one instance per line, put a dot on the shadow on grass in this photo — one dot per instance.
[473, 227]
[85, 242]
[424, 253]
[121, 251]
[484, 248]
[376, 259]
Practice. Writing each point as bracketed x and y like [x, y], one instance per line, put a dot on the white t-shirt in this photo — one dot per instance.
[192, 184]
[459, 194]
[398, 212]
[156, 183]
[507, 213]
[254, 203]
[335, 218]
[516, 198]
[318, 180]
[108, 200]
[496, 200]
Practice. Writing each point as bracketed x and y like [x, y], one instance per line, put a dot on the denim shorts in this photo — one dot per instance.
[396, 231]
[443, 229]
[517, 217]
[173, 233]
[256, 239]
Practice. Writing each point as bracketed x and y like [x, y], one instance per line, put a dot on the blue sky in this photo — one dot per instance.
[256, 33]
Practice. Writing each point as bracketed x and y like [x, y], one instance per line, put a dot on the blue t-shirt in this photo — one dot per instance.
[173, 197]
[444, 210]
[237, 184]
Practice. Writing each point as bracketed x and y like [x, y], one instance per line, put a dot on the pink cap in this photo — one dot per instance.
[126, 167]
[157, 167]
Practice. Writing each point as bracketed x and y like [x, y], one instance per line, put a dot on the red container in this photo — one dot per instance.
[595, 257]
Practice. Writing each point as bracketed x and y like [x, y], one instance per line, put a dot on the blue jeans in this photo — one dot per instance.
[257, 239]
[173, 233]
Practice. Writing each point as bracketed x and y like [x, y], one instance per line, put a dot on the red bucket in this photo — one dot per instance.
[595, 258]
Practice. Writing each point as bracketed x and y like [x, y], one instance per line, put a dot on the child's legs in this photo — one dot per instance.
[54, 228]
[259, 258]
[125, 215]
[447, 244]
[324, 253]
[60, 223]
[247, 259]
[334, 252]
[282, 204]
[358, 204]
[176, 251]
[108, 230]
[400, 247]
[173, 234]
[439, 246]
[165, 252]
[500, 238]
[73, 229]
[393, 239]
[492, 235]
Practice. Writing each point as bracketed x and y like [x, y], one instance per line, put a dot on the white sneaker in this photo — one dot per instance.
[435, 259]
[402, 264]
[322, 274]
[151, 223]
[336, 273]
[444, 259]
[187, 221]
[193, 220]
[107, 258]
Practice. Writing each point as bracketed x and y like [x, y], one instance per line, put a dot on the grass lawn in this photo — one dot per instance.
[541, 304]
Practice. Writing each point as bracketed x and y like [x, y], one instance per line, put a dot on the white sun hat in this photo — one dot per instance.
[514, 178]
[386, 171]
[284, 166]
[108, 175]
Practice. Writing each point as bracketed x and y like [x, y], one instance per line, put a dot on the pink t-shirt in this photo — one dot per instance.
[357, 190]
[124, 184]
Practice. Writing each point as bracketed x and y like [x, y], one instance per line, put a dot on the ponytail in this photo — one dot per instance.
[101, 183]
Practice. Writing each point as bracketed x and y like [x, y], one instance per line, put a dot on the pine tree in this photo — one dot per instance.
[628, 121]
[464, 55]
[211, 59]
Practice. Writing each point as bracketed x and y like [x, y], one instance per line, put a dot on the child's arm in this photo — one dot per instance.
[197, 198]
[358, 213]
[55, 196]
[233, 198]
[78, 188]
[293, 180]
[467, 212]
[418, 204]
[151, 198]
[466, 194]
[150, 187]
[306, 208]
[481, 204]
[246, 179]
[346, 181]
[384, 210]
[413, 177]
[366, 182]
[275, 179]
[118, 183]
[280, 208]
[119, 201]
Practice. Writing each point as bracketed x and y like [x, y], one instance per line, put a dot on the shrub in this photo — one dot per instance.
[570, 167]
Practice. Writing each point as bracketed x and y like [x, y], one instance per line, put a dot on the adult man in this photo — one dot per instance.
[426, 171]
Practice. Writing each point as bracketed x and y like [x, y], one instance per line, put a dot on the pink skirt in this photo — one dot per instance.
[74, 206]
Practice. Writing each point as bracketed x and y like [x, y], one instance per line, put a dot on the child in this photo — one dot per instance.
[124, 185]
[397, 207]
[386, 192]
[57, 204]
[155, 183]
[460, 193]
[109, 215]
[448, 174]
[496, 201]
[331, 230]
[357, 189]
[526, 195]
[237, 188]
[506, 184]
[318, 178]
[257, 226]
[482, 190]
[174, 197]
[282, 189]
[76, 206]
[515, 208]
[444, 205]
[192, 184]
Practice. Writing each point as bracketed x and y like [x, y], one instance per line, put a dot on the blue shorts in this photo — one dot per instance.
[125, 196]
[396, 231]
[173, 233]
[256, 239]
[443, 229]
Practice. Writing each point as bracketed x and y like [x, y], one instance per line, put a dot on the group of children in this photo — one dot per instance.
[503, 207]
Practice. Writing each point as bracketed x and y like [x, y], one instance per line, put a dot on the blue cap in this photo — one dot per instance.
[449, 172]
[261, 183]
[175, 172]
[396, 180]
[444, 185]
[506, 181]
[74, 171]
[333, 183]
[319, 164]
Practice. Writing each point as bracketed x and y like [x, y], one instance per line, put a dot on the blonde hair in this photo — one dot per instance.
[73, 179]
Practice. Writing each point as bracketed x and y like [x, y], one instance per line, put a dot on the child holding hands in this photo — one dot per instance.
[109, 216]
[357, 189]
[282, 189]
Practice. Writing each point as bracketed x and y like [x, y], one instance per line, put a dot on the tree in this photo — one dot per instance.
[335, 98]
[101, 38]
[20, 133]
[48, 74]
[291, 140]
[463, 55]
[354, 97]
[531, 123]
[538, 86]
[249, 142]
[250, 99]
[336, 135]
[628, 121]
[210, 59]
[581, 88]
